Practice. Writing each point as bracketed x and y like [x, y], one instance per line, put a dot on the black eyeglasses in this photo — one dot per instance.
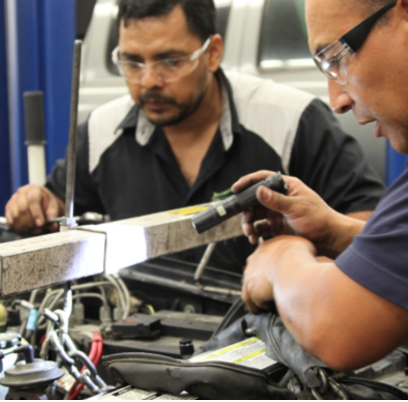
[334, 60]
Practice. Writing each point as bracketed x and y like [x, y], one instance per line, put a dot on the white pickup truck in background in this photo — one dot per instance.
[267, 38]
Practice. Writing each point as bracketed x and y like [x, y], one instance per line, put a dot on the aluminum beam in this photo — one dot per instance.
[90, 250]
[49, 260]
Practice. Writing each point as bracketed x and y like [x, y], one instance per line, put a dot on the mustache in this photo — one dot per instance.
[154, 96]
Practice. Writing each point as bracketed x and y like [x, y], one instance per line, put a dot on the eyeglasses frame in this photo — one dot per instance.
[193, 56]
[353, 39]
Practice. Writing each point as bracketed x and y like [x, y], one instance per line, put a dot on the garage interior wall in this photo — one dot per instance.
[36, 51]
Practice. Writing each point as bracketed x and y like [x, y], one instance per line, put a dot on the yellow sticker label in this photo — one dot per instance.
[188, 210]
[227, 349]
[259, 352]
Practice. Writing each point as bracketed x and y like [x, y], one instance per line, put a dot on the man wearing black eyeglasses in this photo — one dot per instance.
[187, 131]
[354, 310]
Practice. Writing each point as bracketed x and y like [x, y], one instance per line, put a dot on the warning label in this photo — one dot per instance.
[249, 353]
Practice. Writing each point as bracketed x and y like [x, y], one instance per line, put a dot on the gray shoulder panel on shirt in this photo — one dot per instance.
[102, 126]
[270, 110]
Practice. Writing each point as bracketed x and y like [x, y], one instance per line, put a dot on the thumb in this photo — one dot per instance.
[273, 200]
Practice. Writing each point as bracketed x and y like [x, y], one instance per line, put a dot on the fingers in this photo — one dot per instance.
[261, 222]
[33, 202]
[25, 211]
[250, 179]
[274, 201]
[18, 214]
[249, 304]
[51, 210]
[50, 205]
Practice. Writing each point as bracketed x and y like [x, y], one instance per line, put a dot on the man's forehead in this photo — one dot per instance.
[163, 29]
[328, 20]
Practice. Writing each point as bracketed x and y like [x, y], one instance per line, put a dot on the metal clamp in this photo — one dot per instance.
[327, 382]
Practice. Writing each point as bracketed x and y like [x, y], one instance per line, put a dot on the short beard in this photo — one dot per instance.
[185, 110]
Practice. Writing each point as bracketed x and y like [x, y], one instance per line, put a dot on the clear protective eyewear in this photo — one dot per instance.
[333, 61]
[166, 70]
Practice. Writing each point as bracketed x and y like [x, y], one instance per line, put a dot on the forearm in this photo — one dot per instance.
[332, 317]
[294, 277]
[341, 230]
[362, 215]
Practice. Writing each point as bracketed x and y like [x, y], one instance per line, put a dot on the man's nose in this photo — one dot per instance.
[150, 79]
[340, 100]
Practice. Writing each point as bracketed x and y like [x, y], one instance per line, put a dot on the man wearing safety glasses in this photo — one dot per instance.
[188, 130]
[354, 310]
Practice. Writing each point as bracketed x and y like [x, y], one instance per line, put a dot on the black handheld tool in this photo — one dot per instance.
[237, 203]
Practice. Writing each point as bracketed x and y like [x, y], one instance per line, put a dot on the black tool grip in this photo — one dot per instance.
[34, 118]
[237, 203]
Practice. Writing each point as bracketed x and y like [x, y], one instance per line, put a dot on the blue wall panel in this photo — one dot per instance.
[57, 49]
[395, 164]
[40, 50]
[5, 169]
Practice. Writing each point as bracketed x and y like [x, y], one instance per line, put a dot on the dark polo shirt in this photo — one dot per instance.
[133, 175]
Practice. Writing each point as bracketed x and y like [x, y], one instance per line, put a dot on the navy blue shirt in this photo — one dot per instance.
[378, 257]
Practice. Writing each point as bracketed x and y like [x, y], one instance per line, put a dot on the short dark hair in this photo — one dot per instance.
[200, 14]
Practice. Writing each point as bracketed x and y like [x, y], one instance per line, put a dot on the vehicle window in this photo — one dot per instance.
[223, 12]
[284, 36]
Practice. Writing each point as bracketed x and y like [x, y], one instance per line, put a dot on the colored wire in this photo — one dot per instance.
[95, 356]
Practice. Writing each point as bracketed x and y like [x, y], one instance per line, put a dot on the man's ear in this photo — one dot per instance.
[404, 5]
[215, 51]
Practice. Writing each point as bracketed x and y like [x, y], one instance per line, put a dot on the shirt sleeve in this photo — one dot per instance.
[86, 198]
[332, 163]
[377, 258]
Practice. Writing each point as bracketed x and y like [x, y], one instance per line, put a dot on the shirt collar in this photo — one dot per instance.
[229, 123]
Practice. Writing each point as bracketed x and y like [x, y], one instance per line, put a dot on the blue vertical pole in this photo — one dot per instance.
[395, 164]
[40, 36]
[5, 171]
[58, 35]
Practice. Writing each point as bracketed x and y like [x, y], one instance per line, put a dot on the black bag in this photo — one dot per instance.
[307, 377]
[207, 380]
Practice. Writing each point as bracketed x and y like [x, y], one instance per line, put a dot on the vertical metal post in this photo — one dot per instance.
[69, 220]
[5, 171]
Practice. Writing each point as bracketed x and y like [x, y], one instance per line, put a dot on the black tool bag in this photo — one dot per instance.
[307, 377]
[304, 377]
[207, 380]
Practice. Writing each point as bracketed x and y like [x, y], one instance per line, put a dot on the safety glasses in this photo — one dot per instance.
[334, 60]
[166, 70]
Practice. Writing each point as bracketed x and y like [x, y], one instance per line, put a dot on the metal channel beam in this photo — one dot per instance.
[90, 250]
[49, 260]
[139, 239]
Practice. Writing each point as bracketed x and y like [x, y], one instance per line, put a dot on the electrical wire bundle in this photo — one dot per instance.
[95, 356]
[53, 299]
